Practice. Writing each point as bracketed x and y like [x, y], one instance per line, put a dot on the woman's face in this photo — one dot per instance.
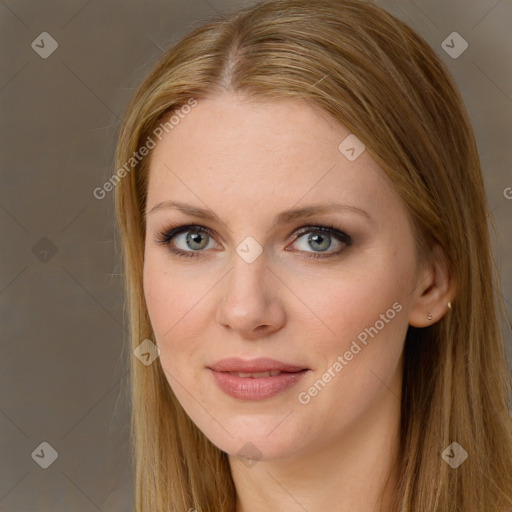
[320, 299]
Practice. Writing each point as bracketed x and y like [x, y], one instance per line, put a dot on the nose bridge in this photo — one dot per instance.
[247, 281]
[249, 298]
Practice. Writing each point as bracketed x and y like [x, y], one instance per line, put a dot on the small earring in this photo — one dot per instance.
[449, 305]
[429, 317]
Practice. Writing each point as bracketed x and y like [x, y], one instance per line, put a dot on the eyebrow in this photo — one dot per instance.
[287, 216]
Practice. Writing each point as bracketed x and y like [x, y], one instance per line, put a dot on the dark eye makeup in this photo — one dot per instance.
[319, 232]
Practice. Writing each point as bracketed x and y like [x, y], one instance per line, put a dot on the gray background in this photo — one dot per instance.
[63, 368]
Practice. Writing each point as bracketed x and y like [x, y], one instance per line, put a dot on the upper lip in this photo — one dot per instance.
[260, 364]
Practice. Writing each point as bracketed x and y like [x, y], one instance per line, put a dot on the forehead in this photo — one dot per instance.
[233, 125]
[243, 152]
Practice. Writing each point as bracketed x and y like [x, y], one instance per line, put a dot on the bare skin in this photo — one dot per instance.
[247, 162]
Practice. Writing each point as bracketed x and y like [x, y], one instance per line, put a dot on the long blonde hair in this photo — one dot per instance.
[374, 74]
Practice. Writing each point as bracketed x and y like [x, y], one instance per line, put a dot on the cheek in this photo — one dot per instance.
[364, 309]
[174, 302]
[164, 295]
[161, 301]
[353, 299]
[357, 367]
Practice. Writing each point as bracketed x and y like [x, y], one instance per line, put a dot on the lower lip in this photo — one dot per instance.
[250, 388]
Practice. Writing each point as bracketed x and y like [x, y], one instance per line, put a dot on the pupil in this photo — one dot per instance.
[196, 239]
[319, 239]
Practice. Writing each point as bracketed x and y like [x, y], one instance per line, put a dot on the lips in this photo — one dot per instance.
[256, 375]
[255, 379]
[261, 364]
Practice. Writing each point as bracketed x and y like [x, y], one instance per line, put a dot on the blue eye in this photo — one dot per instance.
[322, 238]
[194, 239]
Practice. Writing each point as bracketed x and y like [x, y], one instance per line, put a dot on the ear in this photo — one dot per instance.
[436, 288]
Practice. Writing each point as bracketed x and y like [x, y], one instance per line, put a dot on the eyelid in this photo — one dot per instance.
[165, 237]
[326, 228]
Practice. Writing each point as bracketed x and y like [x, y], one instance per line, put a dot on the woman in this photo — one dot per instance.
[304, 225]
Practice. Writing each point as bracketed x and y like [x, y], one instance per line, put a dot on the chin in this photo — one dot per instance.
[254, 436]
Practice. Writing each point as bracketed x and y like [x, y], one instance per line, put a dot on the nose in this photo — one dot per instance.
[250, 304]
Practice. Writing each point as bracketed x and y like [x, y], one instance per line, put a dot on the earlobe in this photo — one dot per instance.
[435, 292]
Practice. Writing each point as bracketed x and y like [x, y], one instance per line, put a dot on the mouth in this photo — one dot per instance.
[254, 366]
[257, 375]
[256, 379]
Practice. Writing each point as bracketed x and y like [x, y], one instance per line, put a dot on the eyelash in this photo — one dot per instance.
[165, 237]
